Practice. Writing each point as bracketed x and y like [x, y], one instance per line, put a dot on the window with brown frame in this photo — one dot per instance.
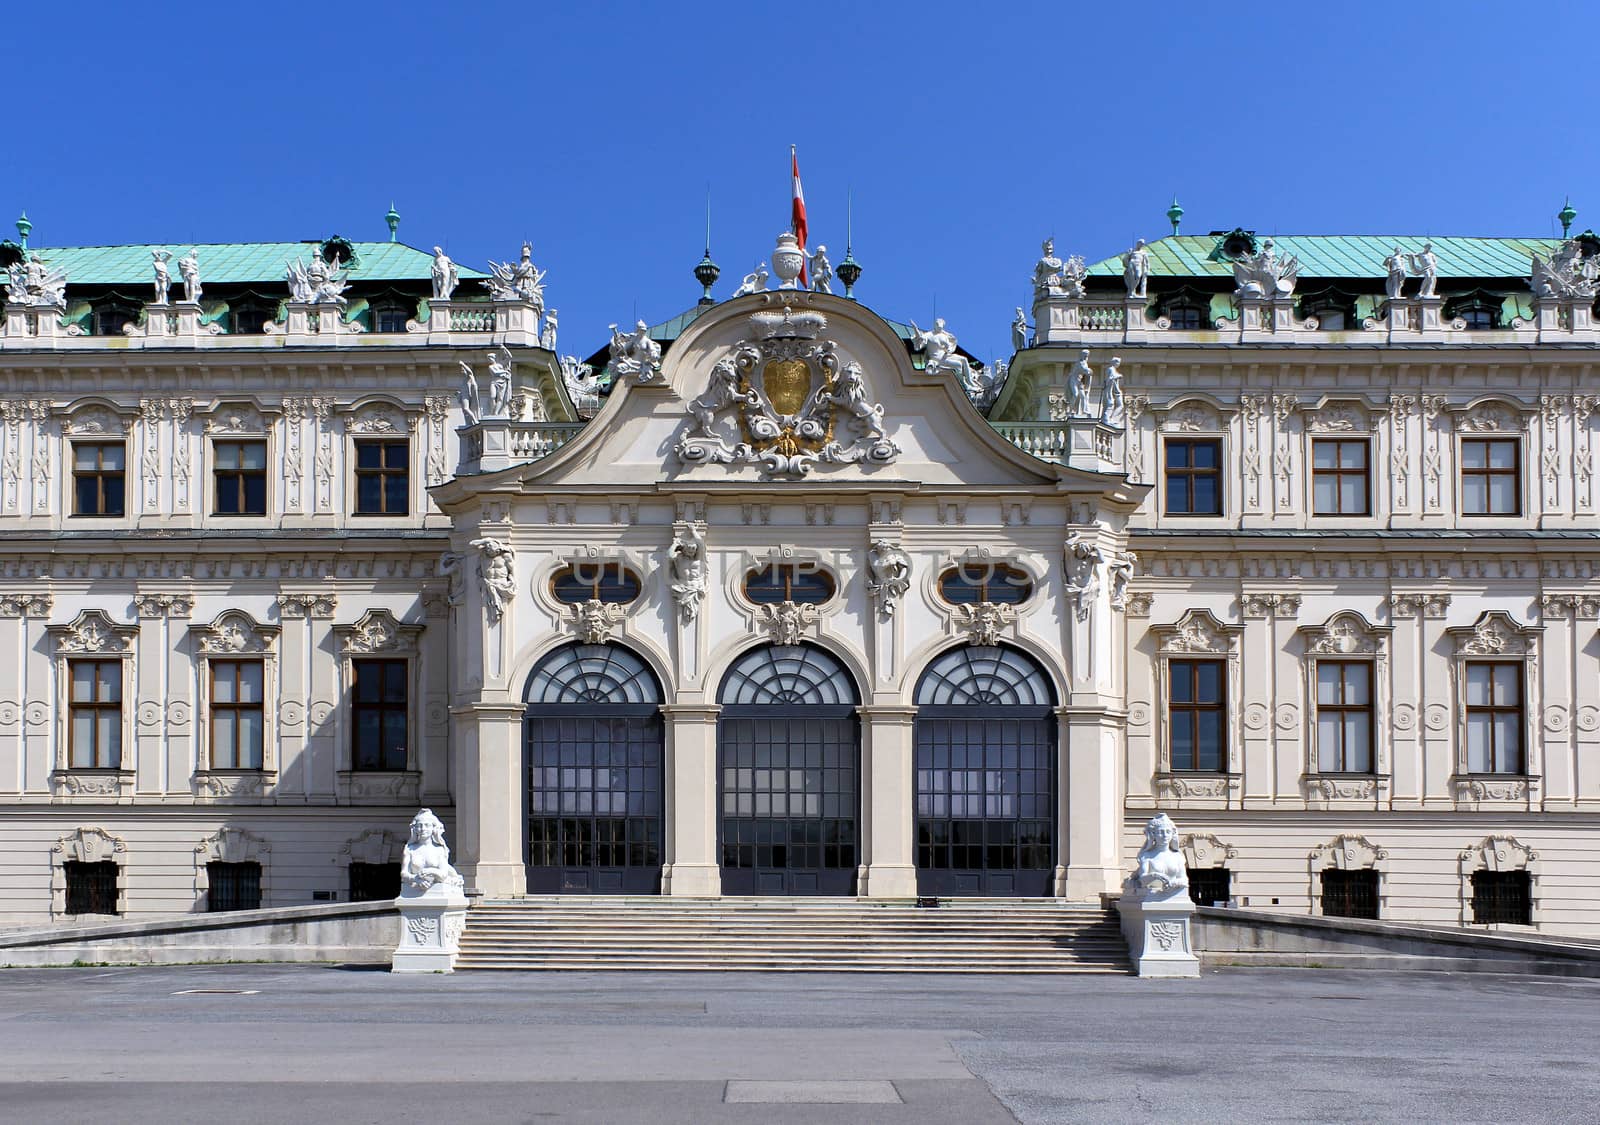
[379, 707]
[239, 478]
[1491, 477]
[1341, 480]
[94, 724]
[602, 580]
[1344, 716]
[789, 582]
[974, 582]
[1494, 717]
[1197, 714]
[1194, 476]
[238, 721]
[99, 478]
[383, 478]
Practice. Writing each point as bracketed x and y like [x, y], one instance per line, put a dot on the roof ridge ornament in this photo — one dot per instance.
[790, 325]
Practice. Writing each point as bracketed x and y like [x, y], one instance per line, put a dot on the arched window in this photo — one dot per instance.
[593, 751]
[985, 774]
[788, 763]
[983, 581]
[603, 579]
[789, 582]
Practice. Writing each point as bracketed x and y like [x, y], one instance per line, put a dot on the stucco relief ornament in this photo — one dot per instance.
[1083, 560]
[888, 574]
[785, 621]
[520, 281]
[595, 619]
[426, 862]
[1161, 871]
[497, 573]
[1567, 274]
[984, 621]
[1264, 275]
[35, 284]
[635, 353]
[792, 400]
[687, 560]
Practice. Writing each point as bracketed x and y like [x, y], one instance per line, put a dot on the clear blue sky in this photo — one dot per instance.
[966, 132]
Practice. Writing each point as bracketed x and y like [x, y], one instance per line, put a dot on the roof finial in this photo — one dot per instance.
[849, 270]
[393, 219]
[24, 228]
[1175, 214]
[707, 272]
[1566, 215]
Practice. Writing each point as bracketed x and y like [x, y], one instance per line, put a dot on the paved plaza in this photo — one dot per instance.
[274, 1044]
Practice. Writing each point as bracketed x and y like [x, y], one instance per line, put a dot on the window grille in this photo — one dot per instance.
[91, 887]
[1350, 894]
[1210, 886]
[233, 886]
[1502, 897]
[374, 882]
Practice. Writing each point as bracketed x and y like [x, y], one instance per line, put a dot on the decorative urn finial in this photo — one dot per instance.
[24, 228]
[788, 260]
[1567, 213]
[1175, 214]
[706, 273]
[393, 219]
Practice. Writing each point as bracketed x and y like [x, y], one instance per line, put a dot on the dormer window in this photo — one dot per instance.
[249, 317]
[1479, 311]
[1334, 311]
[390, 317]
[112, 317]
[1185, 317]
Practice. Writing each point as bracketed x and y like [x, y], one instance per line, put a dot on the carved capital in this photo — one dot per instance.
[25, 605]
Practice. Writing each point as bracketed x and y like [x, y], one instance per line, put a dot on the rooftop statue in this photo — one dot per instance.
[1081, 379]
[1264, 275]
[521, 281]
[635, 353]
[1395, 270]
[31, 282]
[583, 386]
[163, 274]
[1568, 274]
[1136, 270]
[189, 270]
[1161, 870]
[1047, 271]
[821, 271]
[317, 282]
[939, 345]
[1113, 410]
[754, 282]
[1425, 266]
[547, 338]
[426, 863]
[1073, 271]
[1019, 331]
[445, 275]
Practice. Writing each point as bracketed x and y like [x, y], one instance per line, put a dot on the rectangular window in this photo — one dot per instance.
[1344, 716]
[1194, 476]
[1502, 897]
[383, 478]
[374, 882]
[94, 730]
[378, 711]
[99, 478]
[1340, 481]
[238, 723]
[91, 887]
[233, 886]
[239, 476]
[390, 318]
[1494, 716]
[1210, 886]
[1491, 477]
[1196, 714]
[1350, 894]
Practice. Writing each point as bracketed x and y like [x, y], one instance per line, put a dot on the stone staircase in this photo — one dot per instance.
[792, 935]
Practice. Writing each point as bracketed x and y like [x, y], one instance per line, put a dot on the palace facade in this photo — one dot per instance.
[1294, 540]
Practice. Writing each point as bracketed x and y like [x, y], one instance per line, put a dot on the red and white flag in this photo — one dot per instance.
[797, 217]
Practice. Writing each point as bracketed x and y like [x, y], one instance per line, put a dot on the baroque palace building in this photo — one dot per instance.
[1292, 538]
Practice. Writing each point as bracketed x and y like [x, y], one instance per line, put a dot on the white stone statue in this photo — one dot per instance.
[754, 282]
[1264, 275]
[426, 863]
[189, 270]
[547, 338]
[723, 392]
[445, 275]
[583, 386]
[1567, 275]
[1047, 271]
[1113, 410]
[317, 282]
[163, 274]
[1136, 270]
[1119, 571]
[1395, 270]
[888, 574]
[521, 281]
[35, 284]
[1019, 331]
[1083, 562]
[686, 558]
[1425, 266]
[939, 344]
[501, 366]
[850, 393]
[470, 408]
[497, 574]
[635, 353]
[1160, 872]
[821, 271]
[1081, 379]
[1073, 271]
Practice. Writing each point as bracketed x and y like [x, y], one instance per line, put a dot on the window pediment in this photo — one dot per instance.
[1492, 416]
[97, 421]
[1198, 631]
[94, 634]
[378, 632]
[236, 418]
[1347, 852]
[234, 632]
[1346, 634]
[1498, 852]
[1494, 634]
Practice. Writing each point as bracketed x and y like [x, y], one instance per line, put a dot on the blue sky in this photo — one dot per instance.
[965, 132]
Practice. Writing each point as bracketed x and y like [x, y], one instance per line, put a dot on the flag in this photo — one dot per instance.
[797, 217]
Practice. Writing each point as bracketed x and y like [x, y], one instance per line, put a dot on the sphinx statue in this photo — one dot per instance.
[426, 863]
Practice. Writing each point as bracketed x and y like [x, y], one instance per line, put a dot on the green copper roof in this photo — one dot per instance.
[1190, 255]
[230, 263]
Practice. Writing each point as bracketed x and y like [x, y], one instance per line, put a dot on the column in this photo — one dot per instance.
[489, 785]
[1089, 804]
[691, 801]
[888, 802]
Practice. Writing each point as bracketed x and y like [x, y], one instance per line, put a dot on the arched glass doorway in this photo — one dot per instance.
[788, 756]
[985, 774]
[592, 756]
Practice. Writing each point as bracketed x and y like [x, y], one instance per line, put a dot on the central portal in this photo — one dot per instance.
[788, 753]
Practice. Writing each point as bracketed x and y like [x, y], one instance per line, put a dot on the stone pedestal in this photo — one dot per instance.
[157, 319]
[431, 924]
[1158, 931]
[1563, 319]
[517, 322]
[188, 317]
